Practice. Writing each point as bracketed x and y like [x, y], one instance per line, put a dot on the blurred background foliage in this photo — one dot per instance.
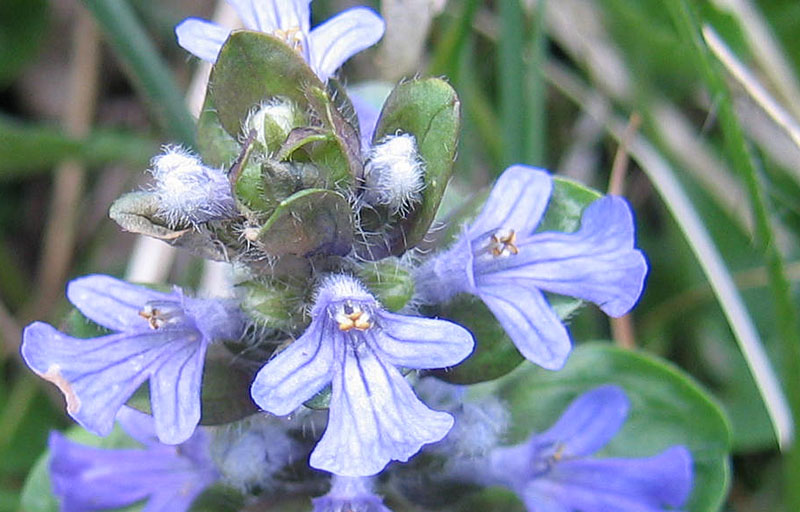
[692, 103]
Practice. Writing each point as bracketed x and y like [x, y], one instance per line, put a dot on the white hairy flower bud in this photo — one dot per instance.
[189, 192]
[393, 174]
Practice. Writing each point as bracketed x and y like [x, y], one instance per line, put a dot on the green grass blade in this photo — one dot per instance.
[536, 132]
[149, 72]
[685, 19]
[691, 224]
[26, 149]
[446, 54]
[511, 76]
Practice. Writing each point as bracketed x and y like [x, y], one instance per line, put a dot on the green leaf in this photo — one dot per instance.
[226, 390]
[37, 494]
[218, 498]
[567, 202]
[225, 393]
[138, 212]
[274, 304]
[22, 25]
[325, 150]
[308, 222]
[668, 408]
[495, 354]
[253, 67]
[429, 110]
[491, 498]
[390, 281]
[343, 160]
[217, 147]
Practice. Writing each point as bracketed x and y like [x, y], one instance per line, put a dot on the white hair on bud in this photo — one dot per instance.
[282, 112]
[480, 423]
[483, 425]
[189, 192]
[249, 454]
[393, 174]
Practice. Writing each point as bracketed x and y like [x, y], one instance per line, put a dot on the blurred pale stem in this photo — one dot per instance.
[766, 50]
[754, 88]
[147, 69]
[59, 237]
[622, 327]
[151, 259]
[10, 331]
[407, 25]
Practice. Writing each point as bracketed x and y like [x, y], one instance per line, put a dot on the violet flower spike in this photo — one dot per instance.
[502, 260]
[86, 478]
[325, 47]
[374, 415]
[162, 337]
[352, 494]
[552, 471]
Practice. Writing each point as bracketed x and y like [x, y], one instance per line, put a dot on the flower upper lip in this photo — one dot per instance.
[325, 47]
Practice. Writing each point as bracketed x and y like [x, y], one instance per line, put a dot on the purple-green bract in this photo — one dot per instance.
[325, 47]
[162, 337]
[355, 345]
[169, 477]
[552, 471]
[503, 260]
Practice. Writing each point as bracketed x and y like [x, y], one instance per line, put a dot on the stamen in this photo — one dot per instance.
[352, 317]
[291, 36]
[158, 317]
[504, 244]
[150, 314]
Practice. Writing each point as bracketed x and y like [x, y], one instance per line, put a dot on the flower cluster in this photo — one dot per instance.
[324, 322]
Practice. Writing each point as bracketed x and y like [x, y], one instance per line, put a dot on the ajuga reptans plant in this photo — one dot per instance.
[310, 383]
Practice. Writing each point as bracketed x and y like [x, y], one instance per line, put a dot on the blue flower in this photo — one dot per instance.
[325, 48]
[501, 259]
[352, 494]
[552, 471]
[169, 477]
[353, 343]
[162, 337]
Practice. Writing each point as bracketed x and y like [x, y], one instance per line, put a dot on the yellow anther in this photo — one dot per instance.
[559, 453]
[504, 244]
[291, 36]
[356, 320]
[152, 316]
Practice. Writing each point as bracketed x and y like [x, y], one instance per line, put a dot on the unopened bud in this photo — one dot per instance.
[272, 122]
[393, 174]
[189, 192]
